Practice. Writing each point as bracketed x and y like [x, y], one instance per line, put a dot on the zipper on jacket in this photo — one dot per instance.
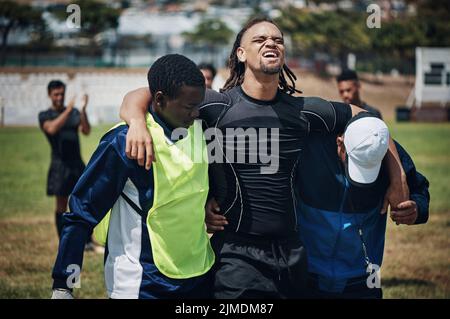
[341, 208]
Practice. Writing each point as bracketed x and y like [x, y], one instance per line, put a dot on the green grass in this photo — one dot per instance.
[416, 263]
[28, 236]
[24, 161]
[429, 145]
[417, 258]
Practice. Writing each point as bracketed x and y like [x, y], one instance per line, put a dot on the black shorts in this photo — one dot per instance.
[254, 267]
[62, 177]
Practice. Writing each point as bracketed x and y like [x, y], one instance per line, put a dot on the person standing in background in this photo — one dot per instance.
[209, 72]
[349, 86]
[60, 125]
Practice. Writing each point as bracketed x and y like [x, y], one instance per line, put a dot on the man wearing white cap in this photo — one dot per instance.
[340, 203]
[362, 148]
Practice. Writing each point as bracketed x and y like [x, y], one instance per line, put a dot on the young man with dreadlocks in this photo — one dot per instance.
[151, 221]
[259, 253]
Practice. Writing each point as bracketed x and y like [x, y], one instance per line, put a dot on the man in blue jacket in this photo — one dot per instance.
[152, 222]
[339, 205]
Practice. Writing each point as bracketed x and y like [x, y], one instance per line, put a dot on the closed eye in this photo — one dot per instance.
[190, 106]
[263, 39]
[259, 40]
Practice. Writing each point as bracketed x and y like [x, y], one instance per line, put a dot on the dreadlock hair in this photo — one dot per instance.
[170, 72]
[237, 68]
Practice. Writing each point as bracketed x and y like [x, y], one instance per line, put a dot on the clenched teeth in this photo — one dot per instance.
[270, 55]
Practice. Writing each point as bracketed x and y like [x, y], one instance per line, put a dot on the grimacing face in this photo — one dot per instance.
[349, 91]
[262, 48]
[181, 110]
[57, 97]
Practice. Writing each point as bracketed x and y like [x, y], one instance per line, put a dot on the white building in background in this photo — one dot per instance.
[24, 96]
[432, 76]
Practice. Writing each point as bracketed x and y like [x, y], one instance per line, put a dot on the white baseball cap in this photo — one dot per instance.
[366, 142]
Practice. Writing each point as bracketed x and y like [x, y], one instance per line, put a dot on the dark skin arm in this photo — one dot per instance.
[406, 213]
[214, 220]
[398, 191]
[51, 127]
[139, 142]
[84, 122]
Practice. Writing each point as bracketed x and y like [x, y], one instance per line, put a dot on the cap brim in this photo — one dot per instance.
[360, 175]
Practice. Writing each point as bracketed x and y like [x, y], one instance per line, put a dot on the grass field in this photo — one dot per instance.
[416, 263]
